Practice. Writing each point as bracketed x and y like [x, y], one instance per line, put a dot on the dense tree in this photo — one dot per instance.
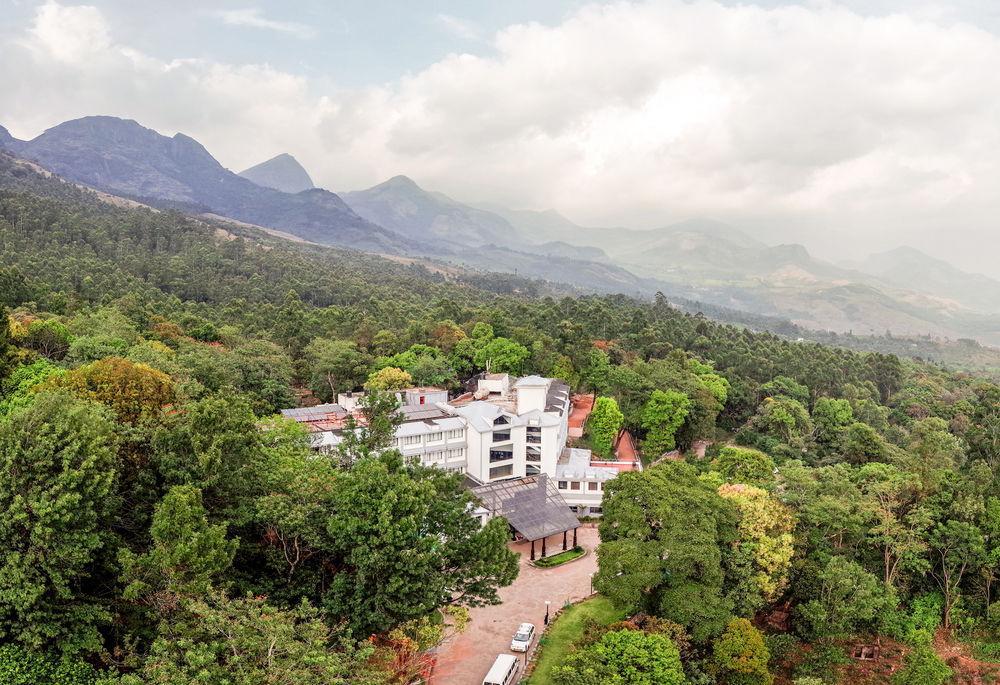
[187, 557]
[214, 445]
[848, 598]
[335, 366]
[403, 544]
[741, 656]
[623, 657]
[500, 355]
[604, 424]
[134, 392]
[389, 378]
[57, 474]
[246, 641]
[662, 538]
[745, 465]
[762, 551]
[662, 415]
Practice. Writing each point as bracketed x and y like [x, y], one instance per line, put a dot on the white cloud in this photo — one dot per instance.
[254, 18]
[461, 28]
[815, 120]
[69, 34]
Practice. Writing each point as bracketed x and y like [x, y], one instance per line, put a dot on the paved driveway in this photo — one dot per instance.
[466, 658]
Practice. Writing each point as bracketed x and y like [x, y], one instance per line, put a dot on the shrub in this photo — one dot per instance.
[922, 667]
[821, 662]
[19, 666]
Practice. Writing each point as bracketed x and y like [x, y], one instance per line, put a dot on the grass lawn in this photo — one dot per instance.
[566, 630]
[561, 558]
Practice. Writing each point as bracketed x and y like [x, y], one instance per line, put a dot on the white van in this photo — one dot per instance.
[504, 671]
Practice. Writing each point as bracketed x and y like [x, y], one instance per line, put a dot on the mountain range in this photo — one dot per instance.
[903, 291]
[123, 157]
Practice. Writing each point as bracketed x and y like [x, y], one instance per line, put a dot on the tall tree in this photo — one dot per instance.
[663, 534]
[335, 366]
[57, 500]
[662, 415]
[604, 424]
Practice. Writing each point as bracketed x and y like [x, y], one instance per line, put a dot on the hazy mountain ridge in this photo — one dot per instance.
[908, 267]
[124, 157]
[700, 259]
[403, 206]
[712, 262]
[282, 172]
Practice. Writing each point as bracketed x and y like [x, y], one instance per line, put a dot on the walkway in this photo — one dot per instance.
[466, 658]
[582, 406]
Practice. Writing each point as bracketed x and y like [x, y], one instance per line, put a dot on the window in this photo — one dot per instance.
[501, 471]
[456, 454]
[501, 455]
[592, 487]
[596, 510]
[435, 437]
[533, 435]
[436, 456]
[411, 440]
[562, 485]
[574, 485]
[500, 421]
[532, 470]
[501, 437]
[532, 454]
[455, 434]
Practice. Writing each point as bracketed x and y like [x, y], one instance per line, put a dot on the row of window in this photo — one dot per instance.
[411, 440]
[592, 486]
[442, 455]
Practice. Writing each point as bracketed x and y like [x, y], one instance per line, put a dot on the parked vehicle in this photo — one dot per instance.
[522, 638]
[504, 671]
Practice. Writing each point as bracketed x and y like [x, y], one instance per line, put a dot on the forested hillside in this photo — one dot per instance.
[154, 512]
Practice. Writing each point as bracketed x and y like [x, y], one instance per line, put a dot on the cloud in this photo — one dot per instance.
[814, 123]
[68, 34]
[460, 28]
[254, 18]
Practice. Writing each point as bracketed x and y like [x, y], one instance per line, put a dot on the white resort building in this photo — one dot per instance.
[505, 429]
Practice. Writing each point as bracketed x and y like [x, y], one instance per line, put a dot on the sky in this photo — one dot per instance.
[850, 127]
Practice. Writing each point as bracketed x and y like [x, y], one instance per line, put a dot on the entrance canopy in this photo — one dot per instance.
[532, 505]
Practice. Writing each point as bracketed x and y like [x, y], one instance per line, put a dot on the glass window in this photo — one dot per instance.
[435, 437]
[501, 471]
[500, 421]
[531, 470]
[501, 454]
[501, 436]
[574, 485]
[562, 485]
[592, 487]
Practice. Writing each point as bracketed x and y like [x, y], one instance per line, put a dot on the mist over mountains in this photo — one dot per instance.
[902, 291]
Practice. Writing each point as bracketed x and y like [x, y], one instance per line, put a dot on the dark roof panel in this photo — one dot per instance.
[532, 505]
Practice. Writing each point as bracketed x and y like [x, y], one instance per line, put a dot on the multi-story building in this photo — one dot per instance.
[506, 428]
[513, 428]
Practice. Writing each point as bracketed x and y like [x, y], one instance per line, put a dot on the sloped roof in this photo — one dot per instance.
[532, 505]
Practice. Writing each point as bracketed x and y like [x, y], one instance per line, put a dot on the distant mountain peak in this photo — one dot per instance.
[282, 172]
[399, 182]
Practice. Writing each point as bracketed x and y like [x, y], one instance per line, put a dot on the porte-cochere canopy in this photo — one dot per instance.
[532, 505]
